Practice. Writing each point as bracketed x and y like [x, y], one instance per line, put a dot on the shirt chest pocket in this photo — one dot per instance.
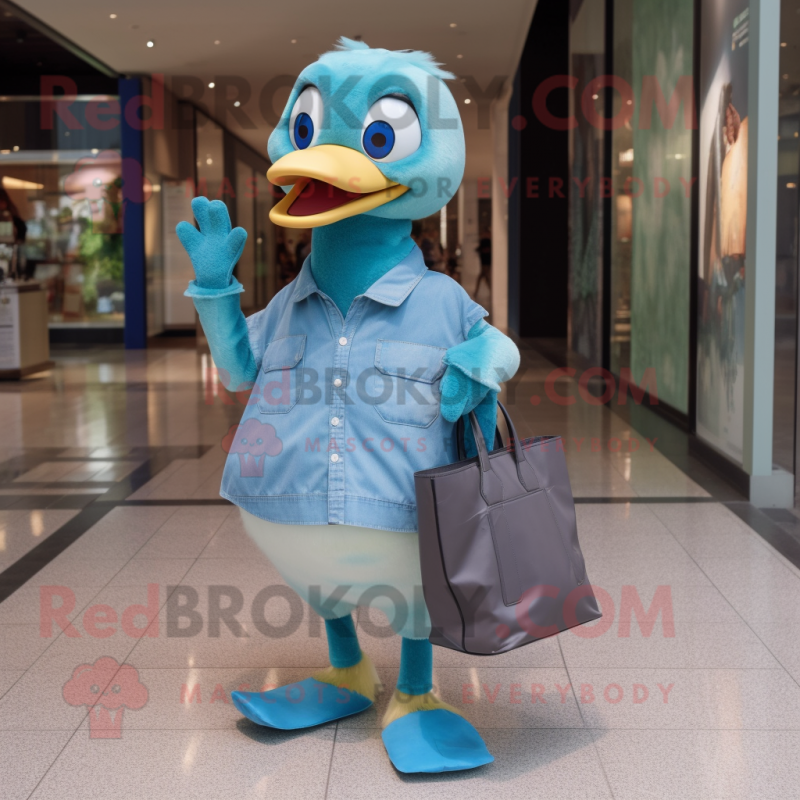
[281, 374]
[404, 387]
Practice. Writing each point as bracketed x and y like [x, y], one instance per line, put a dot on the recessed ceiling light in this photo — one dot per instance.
[453, 24]
[294, 41]
[459, 56]
[211, 85]
[783, 44]
[786, 77]
[112, 16]
[95, 151]
[16, 148]
[791, 185]
[209, 161]
[594, 97]
[151, 43]
[216, 41]
[468, 101]
[237, 104]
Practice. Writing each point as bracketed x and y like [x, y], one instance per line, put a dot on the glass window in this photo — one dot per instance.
[245, 218]
[63, 187]
[587, 62]
[210, 159]
[655, 159]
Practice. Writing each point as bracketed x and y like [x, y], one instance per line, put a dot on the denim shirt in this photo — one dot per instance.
[345, 411]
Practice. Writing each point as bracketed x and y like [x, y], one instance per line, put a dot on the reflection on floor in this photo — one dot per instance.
[109, 468]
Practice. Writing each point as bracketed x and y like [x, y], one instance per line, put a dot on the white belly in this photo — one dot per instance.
[378, 569]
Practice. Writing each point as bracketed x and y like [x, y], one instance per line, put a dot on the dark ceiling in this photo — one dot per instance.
[28, 50]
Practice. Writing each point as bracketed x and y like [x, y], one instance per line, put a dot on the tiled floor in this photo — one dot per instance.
[109, 470]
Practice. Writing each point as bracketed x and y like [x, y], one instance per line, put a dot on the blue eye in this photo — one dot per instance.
[378, 139]
[303, 131]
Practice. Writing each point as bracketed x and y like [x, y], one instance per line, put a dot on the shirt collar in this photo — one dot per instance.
[391, 289]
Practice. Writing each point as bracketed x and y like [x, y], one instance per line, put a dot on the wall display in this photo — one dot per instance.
[662, 39]
[723, 224]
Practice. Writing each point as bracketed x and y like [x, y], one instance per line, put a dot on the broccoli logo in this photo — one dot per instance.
[252, 441]
[107, 689]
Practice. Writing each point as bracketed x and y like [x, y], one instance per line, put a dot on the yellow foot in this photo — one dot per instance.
[402, 704]
[361, 678]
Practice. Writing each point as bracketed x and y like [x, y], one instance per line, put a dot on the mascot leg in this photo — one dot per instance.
[420, 732]
[347, 687]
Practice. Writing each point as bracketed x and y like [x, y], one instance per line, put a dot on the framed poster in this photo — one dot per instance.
[724, 33]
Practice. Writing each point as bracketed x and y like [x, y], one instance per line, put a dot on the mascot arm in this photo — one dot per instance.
[475, 370]
[214, 250]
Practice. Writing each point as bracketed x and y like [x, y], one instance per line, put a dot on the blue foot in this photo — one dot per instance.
[434, 741]
[299, 705]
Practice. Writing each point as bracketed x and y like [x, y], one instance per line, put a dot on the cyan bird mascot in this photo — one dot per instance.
[358, 368]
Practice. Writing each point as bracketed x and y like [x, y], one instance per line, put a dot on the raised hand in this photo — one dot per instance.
[215, 248]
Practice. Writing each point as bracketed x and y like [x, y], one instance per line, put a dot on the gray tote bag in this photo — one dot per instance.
[498, 541]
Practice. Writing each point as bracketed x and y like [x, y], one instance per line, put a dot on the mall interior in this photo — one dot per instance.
[618, 220]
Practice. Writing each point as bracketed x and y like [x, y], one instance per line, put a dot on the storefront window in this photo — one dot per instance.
[786, 272]
[69, 202]
[622, 155]
[587, 62]
[210, 159]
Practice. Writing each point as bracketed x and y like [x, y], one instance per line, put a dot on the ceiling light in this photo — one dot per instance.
[18, 183]
[791, 185]
[294, 41]
[786, 77]
[237, 104]
[453, 24]
[95, 151]
[151, 43]
[459, 56]
[594, 97]
[112, 16]
[16, 148]
[468, 101]
[209, 161]
[783, 44]
[216, 41]
[211, 85]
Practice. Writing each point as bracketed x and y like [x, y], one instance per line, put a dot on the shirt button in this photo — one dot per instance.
[343, 341]
[335, 421]
[335, 457]
[337, 382]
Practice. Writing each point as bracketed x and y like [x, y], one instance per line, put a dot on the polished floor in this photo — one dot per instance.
[109, 469]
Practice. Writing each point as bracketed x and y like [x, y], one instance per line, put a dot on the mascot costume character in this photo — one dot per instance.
[359, 368]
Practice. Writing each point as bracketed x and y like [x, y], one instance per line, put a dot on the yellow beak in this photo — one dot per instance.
[331, 183]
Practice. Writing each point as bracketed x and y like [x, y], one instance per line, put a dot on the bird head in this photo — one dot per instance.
[366, 131]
